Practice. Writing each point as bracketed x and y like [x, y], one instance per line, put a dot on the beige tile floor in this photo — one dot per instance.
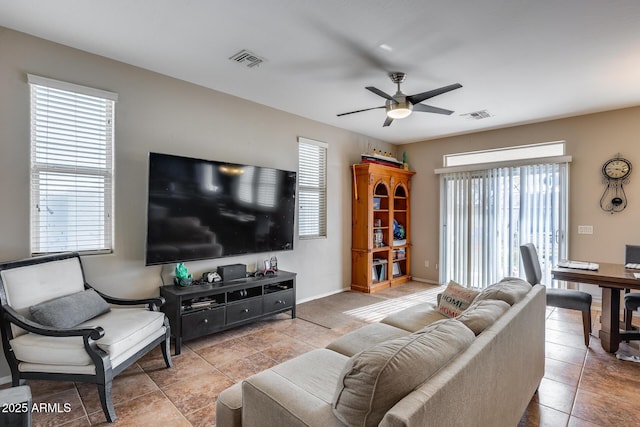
[581, 387]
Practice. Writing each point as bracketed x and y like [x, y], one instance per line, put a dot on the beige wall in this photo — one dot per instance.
[591, 140]
[159, 113]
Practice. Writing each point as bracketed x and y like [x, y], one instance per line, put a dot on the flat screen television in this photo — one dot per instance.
[203, 209]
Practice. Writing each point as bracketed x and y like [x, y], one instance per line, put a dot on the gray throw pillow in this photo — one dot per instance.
[375, 379]
[70, 310]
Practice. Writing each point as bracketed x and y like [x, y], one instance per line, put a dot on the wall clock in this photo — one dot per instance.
[616, 173]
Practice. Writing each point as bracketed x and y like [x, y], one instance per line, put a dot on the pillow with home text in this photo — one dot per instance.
[455, 299]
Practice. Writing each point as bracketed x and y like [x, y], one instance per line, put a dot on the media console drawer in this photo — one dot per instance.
[243, 310]
[202, 322]
[278, 301]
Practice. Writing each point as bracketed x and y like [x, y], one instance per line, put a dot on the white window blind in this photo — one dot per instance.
[71, 167]
[312, 188]
[486, 215]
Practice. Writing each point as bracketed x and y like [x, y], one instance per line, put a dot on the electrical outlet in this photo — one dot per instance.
[426, 263]
[585, 229]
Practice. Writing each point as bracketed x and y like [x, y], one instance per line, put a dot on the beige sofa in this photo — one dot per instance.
[415, 368]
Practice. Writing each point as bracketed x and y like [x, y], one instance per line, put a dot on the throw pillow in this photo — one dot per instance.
[482, 314]
[455, 299]
[377, 378]
[70, 310]
[510, 290]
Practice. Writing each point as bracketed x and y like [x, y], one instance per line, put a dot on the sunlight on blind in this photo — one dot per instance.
[71, 168]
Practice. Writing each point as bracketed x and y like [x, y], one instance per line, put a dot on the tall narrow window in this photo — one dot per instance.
[312, 188]
[486, 214]
[71, 167]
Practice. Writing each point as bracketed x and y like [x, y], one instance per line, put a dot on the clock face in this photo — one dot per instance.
[616, 168]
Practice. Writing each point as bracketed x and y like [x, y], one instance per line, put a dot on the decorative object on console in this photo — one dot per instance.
[183, 277]
[616, 173]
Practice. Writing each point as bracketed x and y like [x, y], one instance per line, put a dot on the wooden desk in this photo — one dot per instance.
[611, 278]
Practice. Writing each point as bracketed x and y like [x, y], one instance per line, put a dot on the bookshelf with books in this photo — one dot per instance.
[381, 243]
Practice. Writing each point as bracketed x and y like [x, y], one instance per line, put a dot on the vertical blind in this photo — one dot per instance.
[71, 167]
[312, 188]
[486, 215]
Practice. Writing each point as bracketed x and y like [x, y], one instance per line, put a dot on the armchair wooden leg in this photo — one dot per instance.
[166, 345]
[166, 352]
[104, 390]
[586, 325]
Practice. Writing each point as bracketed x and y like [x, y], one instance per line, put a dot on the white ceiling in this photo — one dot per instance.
[522, 60]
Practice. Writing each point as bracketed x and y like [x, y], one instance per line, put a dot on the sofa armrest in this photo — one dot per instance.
[153, 304]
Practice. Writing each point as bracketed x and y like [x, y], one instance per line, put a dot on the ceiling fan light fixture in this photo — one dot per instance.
[399, 110]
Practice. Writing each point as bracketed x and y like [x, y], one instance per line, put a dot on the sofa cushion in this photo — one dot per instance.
[123, 328]
[482, 314]
[365, 338]
[414, 318]
[510, 290]
[69, 310]
[376, 379]
[455, 299]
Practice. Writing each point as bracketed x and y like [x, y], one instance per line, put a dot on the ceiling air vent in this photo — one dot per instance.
[247, 58]
[477, 115]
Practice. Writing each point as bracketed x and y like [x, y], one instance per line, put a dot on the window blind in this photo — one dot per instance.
[486, 215]
[312, 188]
[71, 167]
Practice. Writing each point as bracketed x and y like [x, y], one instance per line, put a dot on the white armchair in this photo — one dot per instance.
[55, 326]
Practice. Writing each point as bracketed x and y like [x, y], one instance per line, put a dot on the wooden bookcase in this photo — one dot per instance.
[380, 195]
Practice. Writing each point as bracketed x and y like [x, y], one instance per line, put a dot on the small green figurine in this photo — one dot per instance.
[183, 277]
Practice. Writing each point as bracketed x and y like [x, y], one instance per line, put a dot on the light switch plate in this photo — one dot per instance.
[585, 229]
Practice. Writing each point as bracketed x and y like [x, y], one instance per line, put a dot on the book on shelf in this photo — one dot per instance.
[379, 272]
[397, 270]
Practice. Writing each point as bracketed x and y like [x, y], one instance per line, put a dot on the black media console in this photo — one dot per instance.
[202, 309]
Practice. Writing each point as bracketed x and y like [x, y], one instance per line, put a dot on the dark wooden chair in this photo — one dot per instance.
[561, 298]
[53, 290]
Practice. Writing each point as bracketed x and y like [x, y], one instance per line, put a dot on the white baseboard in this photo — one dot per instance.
[5, 380]
[431, 282]
[322, 295]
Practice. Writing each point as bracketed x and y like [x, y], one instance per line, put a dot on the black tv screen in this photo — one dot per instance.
[202, 209]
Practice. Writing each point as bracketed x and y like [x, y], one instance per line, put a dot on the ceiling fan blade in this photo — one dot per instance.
[387, 121]
[380, 93]
[359, 111]
[429, 109]
[419, 97]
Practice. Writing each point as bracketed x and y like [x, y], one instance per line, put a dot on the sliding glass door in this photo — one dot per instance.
[486, 215]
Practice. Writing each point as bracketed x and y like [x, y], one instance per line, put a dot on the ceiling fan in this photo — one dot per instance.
[400, 105]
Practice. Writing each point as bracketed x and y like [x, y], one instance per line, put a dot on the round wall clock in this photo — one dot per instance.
[616, 168]
[616, 173]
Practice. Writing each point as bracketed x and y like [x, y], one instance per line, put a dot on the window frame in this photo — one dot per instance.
[320, 188]
[101, 173]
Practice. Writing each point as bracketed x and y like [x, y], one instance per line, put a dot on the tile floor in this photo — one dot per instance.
[581, 387]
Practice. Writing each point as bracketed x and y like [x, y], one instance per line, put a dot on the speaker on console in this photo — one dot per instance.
[232, 271]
